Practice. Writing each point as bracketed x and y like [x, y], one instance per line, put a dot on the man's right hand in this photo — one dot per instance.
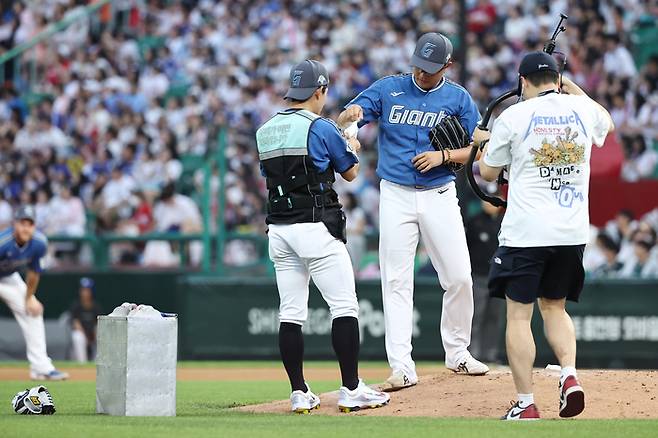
[480, 135]
[352, 114]
[33, 306]
[570, 87]
[354, 144]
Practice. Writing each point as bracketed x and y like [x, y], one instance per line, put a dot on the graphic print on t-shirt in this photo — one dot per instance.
[563, 151]
[559, 161]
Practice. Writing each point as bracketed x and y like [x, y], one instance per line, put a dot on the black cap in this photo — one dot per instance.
[537, 61]
[305, 78]
[432, 53]
[25, 212]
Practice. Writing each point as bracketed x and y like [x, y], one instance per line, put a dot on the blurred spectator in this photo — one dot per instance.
[84, 313]
[66, 214]
[116, 198]
[482, 17]
[356, 228]
[176, 212]
[42, 208]
[640, 162]
[617, 59]
[645, 262]
[518, 26]
[611, 267]
[143, 216]
[6, 216]
[621, 230]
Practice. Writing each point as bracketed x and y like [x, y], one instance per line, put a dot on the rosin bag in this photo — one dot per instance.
[136, 362]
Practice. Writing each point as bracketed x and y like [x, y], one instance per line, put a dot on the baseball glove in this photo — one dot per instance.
[35, 401]
[449, 134]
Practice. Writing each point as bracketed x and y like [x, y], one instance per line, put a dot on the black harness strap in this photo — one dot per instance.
[283, 204]
[284, 185]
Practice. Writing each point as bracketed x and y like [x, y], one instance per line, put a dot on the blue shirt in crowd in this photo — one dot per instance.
[406, 113]
[14, 258]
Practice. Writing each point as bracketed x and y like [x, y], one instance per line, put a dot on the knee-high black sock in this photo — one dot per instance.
[345, 339]
[291, 347]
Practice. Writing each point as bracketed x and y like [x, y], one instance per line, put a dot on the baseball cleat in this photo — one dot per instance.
[362, 397]
[572, 397]
[398, 380]
[470, 367]
[304, 402]
[517, 413]
[52, 375]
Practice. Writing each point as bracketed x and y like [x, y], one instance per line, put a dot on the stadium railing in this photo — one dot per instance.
[15, 53]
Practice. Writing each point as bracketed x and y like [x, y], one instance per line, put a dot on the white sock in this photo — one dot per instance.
[566, 372]
[526, 400]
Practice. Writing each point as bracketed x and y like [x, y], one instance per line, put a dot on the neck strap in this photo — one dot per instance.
[544, 93]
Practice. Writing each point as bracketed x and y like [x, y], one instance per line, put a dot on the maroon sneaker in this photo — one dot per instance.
[516, 412]
[572, 397]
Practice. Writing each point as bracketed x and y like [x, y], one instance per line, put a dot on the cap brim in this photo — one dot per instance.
[20, 218]
[299, 93]
[424, 65]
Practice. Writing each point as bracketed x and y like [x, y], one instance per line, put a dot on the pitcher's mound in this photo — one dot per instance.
[608, 394]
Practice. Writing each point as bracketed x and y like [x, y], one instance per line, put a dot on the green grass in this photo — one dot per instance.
[202, 409]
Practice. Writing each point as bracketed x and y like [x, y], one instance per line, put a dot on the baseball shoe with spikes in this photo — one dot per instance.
[304, 402]
[362, 397]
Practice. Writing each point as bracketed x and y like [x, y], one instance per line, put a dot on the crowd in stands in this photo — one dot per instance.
[125, 100]
[625, 247]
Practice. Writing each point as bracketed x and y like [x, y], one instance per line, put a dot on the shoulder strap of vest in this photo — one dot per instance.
[298, 112]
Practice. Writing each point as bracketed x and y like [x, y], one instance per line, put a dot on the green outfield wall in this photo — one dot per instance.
[616, 321]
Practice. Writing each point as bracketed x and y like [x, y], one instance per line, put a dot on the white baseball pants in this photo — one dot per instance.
[407, 214]
[12, 291]
[79, 344]
[308, 250]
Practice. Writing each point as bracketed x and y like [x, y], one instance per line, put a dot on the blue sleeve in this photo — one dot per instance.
[327, 146]
[370, 100]
[469, 115]
[39, 252]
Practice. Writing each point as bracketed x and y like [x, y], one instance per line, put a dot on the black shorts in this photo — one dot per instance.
[525, 274]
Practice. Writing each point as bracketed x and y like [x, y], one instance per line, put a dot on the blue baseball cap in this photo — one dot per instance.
[87, 282]
[432, 53]
[305, 78]
[25, 212]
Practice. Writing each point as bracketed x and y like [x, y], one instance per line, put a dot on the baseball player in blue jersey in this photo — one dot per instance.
[22, 247]
[419, 201]
[299, 153]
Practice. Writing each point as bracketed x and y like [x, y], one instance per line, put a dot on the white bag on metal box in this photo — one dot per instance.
[136, 365]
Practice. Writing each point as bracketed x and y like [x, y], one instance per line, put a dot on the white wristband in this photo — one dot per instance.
[351, 131]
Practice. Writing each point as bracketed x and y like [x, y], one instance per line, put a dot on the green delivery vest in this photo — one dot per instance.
[285, 134]
[298, 192]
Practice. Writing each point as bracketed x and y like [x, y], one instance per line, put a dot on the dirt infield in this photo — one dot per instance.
[609, 395]
[223, 374]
